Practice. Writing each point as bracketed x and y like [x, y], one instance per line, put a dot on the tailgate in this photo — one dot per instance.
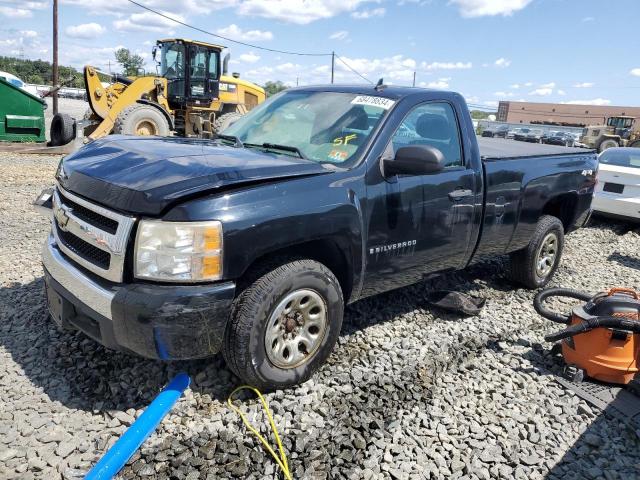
[616, 180]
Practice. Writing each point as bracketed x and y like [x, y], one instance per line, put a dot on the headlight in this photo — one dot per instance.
[178, 251]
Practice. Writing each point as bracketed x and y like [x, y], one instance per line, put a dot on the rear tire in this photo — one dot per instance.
[259, 346]
[535, 265]
[142, 120]
[225, 121]
[63, 130]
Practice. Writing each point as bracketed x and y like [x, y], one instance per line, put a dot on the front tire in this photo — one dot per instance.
[605, 144]
[535, 265]
[225, 121]
[142, 120]
[284, 325]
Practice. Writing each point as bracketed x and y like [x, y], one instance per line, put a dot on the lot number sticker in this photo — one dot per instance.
[371, 101]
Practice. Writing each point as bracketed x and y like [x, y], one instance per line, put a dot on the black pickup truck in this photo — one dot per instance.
[253, 242]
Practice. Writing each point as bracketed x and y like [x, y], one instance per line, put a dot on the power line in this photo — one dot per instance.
[286, 52]
[353, 70]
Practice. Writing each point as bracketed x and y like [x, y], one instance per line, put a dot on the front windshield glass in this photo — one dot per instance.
[624, 157]
[324, 127]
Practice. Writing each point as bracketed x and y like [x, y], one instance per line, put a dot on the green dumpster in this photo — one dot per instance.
[21, 115]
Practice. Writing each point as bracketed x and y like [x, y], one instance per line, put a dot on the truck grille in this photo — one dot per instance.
[85, 250]
[92, 236]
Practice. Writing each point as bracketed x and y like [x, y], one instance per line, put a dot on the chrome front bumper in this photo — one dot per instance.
[75, 281]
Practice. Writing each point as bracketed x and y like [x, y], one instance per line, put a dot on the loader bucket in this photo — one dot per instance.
[21, 115]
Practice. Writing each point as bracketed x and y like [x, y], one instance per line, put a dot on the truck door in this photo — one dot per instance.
[421, 224]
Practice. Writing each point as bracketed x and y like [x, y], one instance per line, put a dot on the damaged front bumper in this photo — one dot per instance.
[167, 322]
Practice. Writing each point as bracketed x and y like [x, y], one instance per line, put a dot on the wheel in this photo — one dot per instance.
[608, 143]
[284, 325]
[63, 129]
[143, 120]
[534, 265]
[225, 121]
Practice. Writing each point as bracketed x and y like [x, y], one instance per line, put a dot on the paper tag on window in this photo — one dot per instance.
[372, 101]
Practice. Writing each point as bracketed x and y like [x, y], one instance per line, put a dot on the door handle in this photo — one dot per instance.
[459, 193]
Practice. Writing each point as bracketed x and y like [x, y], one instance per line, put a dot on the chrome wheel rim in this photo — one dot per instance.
[296, 329]
[547, 255]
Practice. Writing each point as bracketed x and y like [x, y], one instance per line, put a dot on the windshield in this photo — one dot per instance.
[620, 122]
[625, 157]
[324, 127]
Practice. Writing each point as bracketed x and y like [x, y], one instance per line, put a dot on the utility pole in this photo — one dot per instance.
[333, 64]
[55, 56]
[414, 78]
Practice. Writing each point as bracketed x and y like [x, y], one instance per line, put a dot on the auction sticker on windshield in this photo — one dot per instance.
[372, 101]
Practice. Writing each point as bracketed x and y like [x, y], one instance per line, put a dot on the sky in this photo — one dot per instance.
[574, 51]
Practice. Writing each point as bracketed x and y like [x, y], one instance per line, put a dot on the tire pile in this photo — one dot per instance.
[410, 391]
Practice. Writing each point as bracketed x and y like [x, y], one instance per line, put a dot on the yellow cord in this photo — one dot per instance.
[282, 459]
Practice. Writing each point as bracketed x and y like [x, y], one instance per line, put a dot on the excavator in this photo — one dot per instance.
[192, 96]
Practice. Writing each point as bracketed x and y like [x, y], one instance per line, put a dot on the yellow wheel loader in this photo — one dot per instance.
[621, 131]
[191, 97]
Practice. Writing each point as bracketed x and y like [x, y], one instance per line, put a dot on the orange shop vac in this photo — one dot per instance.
[602, 337]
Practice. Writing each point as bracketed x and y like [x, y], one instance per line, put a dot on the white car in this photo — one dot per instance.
[617, 192]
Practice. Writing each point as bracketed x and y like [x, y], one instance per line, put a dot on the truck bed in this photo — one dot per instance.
[500, 149]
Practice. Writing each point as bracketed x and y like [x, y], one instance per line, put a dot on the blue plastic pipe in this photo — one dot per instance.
[121, 451]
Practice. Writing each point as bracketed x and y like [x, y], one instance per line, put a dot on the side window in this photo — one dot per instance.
[431, 124]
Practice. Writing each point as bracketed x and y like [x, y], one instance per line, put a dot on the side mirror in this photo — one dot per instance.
[414, 160]
[154, 53]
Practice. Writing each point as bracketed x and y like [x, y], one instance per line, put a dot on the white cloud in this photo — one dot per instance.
[15, 12]
[548, 85]
[480, 8]
[515, 86]
[85, 30]
[541, 92]
[441, 83]
[561, 92]
[301, 12]
[147, 21]
[588, 19]
[340, 35]
[528, 84]
[504, 94]
[502, 63]
[446, 65]
[583, 85]
[29, 33]
[374, 12]
[635, 72]
[595, 101]
[397, 68]
[236, 33]
[491, 103]
[249, 57]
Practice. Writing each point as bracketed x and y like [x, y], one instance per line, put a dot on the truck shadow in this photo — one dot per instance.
[81, 374]
[625, 260]
[591, 454]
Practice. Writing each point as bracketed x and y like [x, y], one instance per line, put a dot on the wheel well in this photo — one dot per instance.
[563, 208]
[324, 251]
[169, 118]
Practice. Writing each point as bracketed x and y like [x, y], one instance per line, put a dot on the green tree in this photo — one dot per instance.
[271, 88]
[131, 62]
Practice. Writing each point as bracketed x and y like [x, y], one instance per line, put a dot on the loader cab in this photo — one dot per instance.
[192, 70]
[620, 124]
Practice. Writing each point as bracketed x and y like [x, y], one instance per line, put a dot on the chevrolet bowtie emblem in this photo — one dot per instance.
[62, 218]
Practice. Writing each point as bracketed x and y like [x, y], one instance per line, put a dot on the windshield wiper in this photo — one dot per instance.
[231, 138]
[277, 146]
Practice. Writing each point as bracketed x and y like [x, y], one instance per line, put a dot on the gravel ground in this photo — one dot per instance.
[410, 392]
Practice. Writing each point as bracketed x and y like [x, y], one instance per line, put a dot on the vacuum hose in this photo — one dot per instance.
[595, 322]
[557, 292]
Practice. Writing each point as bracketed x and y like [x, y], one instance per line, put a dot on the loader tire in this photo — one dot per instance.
[608, 143]
[63, 130]
[534, 265]
[141, 120]
[225, 121]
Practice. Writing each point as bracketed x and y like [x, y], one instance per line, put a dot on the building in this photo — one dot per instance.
[560, 113]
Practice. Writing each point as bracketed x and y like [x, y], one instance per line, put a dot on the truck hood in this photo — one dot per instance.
[145, 175]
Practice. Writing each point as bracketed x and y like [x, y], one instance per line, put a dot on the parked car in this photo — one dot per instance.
[560, 138]
[534, 135]
[496, 131]
[254, 242]
[512, 133]
[521, 134]
[617, 192]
